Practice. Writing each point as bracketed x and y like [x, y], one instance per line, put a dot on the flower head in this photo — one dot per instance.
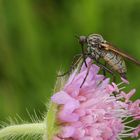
[92, 112]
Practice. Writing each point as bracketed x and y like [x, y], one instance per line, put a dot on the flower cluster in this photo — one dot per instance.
[99, 110]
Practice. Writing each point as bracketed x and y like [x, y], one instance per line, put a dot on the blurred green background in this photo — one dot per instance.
[37, 39]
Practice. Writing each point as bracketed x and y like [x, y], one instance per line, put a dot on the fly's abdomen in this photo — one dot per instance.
[115, 61]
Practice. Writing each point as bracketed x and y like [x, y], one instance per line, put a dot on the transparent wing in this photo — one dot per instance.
[109, 47]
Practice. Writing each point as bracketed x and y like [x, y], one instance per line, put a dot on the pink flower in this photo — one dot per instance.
[136, 132]
[92, 112]
[134, 108]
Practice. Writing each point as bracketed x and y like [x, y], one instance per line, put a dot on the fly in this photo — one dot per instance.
[98, 48]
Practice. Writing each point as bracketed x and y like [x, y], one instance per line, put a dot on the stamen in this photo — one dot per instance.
[120, 83]
[122, 88]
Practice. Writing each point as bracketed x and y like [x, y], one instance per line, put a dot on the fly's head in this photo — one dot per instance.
[92, 42]
[82, 40]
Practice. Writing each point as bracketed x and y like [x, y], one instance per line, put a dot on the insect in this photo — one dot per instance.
[98, 48]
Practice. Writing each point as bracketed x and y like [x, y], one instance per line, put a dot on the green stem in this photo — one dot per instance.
[22, 130]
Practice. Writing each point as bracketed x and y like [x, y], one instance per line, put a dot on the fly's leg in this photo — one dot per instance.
[84, 55]
[113, 78]
[104, 71]
[104, 68]
[123, 75]
[88, 68]
[73, 65]
[100, 65]
[110, 71]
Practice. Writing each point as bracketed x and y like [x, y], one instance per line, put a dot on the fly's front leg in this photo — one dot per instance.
[73, 65]
[88, 68]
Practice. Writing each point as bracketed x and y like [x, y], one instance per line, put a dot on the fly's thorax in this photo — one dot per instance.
[94, 39]
[94, 52]
[94, 49]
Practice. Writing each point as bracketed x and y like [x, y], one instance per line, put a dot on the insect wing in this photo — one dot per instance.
[109, 47]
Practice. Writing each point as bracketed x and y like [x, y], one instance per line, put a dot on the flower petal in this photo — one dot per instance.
[61, 98]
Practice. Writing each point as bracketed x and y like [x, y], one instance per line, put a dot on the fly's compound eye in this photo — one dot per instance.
[82, 40]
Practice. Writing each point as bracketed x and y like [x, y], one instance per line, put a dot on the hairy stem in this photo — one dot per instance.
[23, 130]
